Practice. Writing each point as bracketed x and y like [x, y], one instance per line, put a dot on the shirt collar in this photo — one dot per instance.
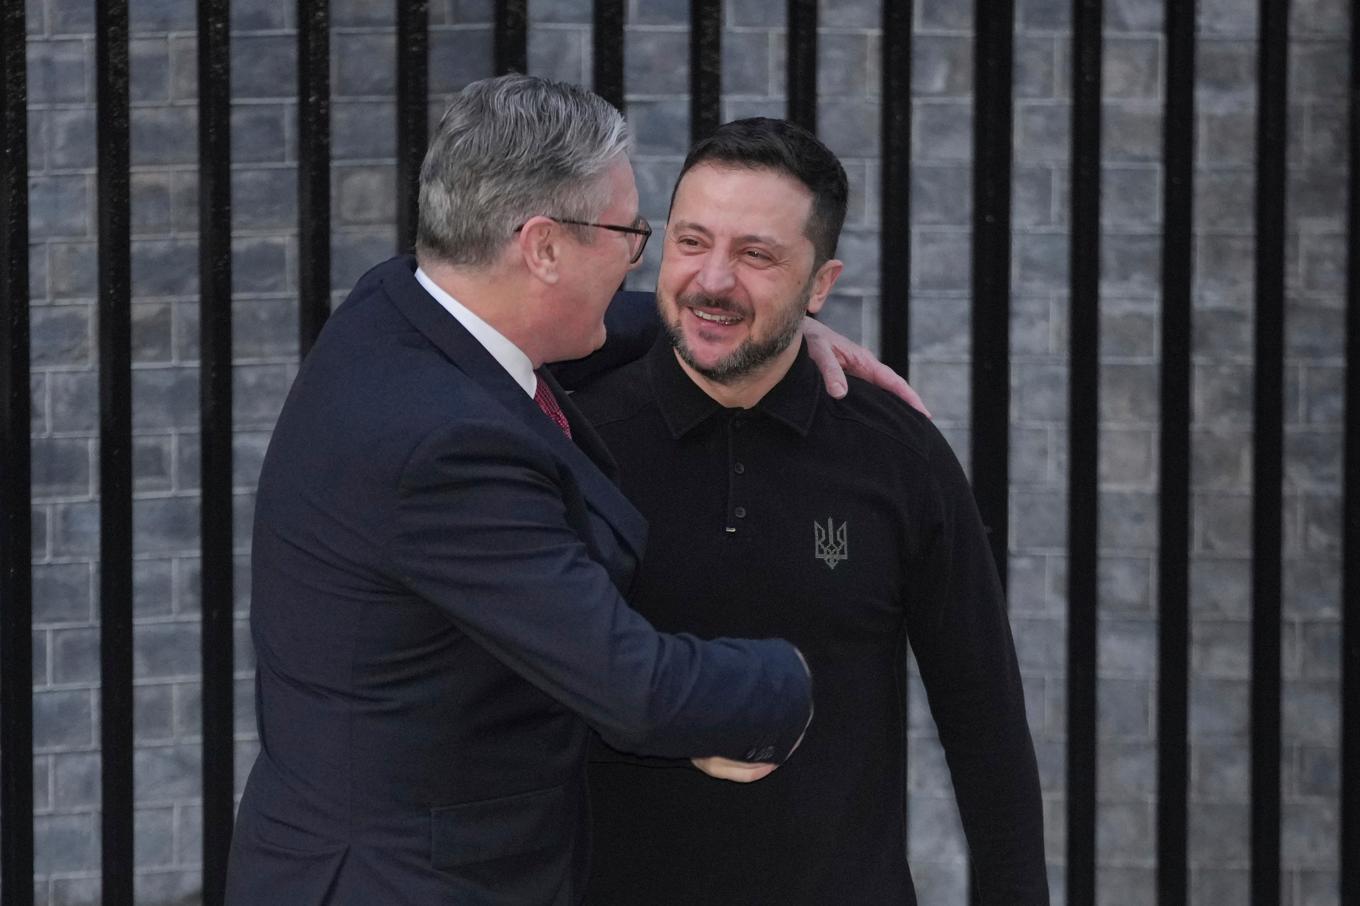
[684, 405]
[510, 357]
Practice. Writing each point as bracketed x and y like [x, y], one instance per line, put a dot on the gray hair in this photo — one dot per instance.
[508, 149]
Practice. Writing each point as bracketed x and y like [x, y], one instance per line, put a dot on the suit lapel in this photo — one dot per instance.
[591, 463]
[582, 431]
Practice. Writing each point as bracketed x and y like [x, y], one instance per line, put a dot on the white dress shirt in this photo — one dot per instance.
[510, 356]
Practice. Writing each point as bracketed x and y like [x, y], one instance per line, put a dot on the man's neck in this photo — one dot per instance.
[746, 391]
[498, 298]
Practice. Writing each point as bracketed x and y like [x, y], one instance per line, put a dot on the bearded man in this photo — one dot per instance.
[843, 525]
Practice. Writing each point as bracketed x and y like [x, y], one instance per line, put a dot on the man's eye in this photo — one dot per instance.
[688, 242]
[756, 256]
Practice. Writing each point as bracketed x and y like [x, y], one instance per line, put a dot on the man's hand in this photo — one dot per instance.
[736, 771]
[835, 355]
[751, 771]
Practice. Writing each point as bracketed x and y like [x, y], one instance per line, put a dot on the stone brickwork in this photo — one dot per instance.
[264, 152]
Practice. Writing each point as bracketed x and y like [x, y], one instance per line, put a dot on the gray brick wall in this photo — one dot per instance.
[264, 139]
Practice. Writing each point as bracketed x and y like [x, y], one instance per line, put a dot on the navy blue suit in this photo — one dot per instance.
[438, 619]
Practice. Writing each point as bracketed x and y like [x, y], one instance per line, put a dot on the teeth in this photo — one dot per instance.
[716, 319]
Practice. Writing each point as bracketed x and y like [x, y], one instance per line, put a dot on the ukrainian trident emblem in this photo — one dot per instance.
[830, 545]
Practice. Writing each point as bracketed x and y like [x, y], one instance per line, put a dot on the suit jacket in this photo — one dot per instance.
[438, 619]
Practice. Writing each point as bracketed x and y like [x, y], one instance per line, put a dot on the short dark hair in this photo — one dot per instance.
[762, 143]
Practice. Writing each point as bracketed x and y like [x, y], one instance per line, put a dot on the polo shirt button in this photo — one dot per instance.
[740, 512]
[739, 469]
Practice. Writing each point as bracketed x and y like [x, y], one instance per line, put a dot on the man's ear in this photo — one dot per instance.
[540, 246]
[822, 281]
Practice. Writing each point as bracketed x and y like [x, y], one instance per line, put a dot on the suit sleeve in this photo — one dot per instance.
[961, 637]
[483, 531]
[631, 325]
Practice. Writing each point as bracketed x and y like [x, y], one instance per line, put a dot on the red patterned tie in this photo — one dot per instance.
[548, 403]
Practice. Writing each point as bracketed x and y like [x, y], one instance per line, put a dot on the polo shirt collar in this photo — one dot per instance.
[684, 405]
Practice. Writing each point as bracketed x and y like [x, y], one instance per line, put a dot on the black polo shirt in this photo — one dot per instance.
[847, 527]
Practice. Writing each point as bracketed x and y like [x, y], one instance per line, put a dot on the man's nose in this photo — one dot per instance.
[716, 276]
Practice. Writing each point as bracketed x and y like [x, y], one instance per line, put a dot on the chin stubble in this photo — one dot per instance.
[747, 358]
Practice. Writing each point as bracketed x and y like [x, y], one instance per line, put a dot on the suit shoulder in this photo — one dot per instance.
[617, 395]
[367, 311]
[402, 267]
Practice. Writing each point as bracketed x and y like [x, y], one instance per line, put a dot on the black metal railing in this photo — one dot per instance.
[705, 67]
[16, 495]
[895, 152]
[993, 65]
[413, 112]
[994, 92]
[314, 169]
[115, 451]
[801, 74]
[511, 36]
[1350, 510]
[217, 579]
[1173, 492]
[607, 44]
[1083, 435]
[1267, 500]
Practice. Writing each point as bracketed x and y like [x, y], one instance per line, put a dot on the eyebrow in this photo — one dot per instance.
[749, 237]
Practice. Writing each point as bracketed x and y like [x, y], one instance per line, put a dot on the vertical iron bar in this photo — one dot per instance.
[993, 54]
[894, 309]
[115, 450]
[1173, 555]
[705, 67]
[607, 52]
[993, 70]
[802, 63]
[895, 210]
[1268, 453]
[992, 162]
[1083, 431]
[991, 264]
[511, 36]
[314, 170]
[1350, 551]
[215, 466]
[16, 495]
[413, 80]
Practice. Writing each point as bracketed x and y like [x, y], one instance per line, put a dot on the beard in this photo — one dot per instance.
[754, 352]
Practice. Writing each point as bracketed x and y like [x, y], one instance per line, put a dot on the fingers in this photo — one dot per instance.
[735, 771]
[835, 356]
[914, 399]
[823, 355]
[891, 381]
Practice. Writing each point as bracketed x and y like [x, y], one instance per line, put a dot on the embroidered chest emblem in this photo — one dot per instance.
[829, 543]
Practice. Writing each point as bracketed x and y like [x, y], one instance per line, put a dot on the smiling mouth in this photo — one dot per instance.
[715, 319]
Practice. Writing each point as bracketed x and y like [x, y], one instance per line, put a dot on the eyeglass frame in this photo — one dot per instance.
[645, 231]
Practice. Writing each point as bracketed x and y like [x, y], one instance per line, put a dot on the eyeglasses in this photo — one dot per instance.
[637, 234]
